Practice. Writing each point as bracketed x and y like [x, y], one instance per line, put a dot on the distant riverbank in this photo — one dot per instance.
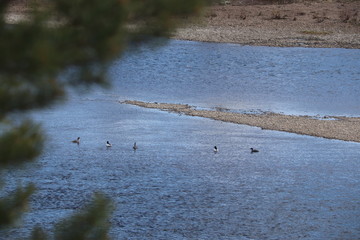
[341, 128]
[324, 24]
[309, 24]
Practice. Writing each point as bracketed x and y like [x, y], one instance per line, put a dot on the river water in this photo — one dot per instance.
[302, 81]
[174, 186]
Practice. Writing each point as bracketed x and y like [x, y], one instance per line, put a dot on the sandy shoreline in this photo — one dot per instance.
[341, 128]
[322, 24]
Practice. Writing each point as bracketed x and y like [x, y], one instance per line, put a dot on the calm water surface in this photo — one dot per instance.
[174, 186]
[290, 80]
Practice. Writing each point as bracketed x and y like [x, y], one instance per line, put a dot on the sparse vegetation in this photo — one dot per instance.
[257, 22]
[277, 15]
[350, 16]
[320, 17]
[242, 15]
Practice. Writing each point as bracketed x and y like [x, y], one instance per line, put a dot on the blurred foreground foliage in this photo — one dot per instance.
[80, 37]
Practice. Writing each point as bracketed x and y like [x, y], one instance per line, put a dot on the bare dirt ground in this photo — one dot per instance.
[341, 128]
[305, 24]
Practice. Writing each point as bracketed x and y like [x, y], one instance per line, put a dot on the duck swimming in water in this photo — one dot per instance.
[253, 150]
[215, 149]
[108, 144]
[76, 140]
[135, 146]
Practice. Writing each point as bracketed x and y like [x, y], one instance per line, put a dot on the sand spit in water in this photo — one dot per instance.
[341, 128]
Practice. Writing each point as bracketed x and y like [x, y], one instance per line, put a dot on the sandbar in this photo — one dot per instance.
[331, 127]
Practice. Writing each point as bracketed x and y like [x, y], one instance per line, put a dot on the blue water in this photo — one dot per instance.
[300, 81]
[174, 186]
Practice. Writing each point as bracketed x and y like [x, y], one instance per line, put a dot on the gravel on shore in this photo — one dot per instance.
[341, 128]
